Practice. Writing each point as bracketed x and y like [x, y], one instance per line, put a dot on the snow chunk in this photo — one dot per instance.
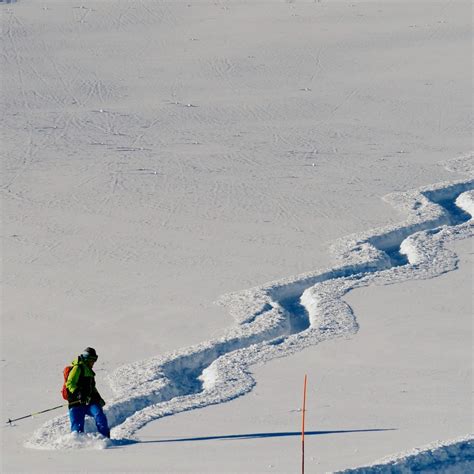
[77, 441]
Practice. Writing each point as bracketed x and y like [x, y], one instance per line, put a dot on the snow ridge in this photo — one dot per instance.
[455, 456]
[282, 317]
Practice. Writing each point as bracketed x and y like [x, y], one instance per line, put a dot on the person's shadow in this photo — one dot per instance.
[261, 435]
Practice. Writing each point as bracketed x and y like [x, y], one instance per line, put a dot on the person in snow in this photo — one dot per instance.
[83, 397]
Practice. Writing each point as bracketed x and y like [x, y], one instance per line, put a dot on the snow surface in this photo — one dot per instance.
[160, 155]
[453, 457]
[283, 317]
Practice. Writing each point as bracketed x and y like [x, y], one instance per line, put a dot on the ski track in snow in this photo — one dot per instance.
[285, 316]
[456, 456]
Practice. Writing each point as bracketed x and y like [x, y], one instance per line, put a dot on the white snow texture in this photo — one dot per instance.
[282, 317]
[454, 457]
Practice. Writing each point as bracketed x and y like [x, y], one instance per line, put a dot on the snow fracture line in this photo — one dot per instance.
[283, 317]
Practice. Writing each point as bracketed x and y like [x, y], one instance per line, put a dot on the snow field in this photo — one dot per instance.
[160, 154]
[282, 317]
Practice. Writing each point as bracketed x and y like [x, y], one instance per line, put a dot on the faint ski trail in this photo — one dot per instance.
[283, 317]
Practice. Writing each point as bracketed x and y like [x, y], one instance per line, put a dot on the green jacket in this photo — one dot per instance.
[81, 384]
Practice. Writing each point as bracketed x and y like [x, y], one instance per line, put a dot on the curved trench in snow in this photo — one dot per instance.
[453, 456]
[283, 317]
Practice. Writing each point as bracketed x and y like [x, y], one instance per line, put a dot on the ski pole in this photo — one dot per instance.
[10, 421]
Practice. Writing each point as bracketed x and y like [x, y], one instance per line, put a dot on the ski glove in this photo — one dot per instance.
[83, 400]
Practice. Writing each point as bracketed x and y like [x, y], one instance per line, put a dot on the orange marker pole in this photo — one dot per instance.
[302, 427]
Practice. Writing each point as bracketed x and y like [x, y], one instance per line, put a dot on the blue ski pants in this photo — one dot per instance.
[78, 414]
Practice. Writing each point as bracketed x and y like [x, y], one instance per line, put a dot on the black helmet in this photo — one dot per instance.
[89, 353]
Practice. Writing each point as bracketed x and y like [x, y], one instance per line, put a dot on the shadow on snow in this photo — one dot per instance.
[263, 435]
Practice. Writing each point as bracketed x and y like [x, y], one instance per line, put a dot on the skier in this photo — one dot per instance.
[83, 397]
